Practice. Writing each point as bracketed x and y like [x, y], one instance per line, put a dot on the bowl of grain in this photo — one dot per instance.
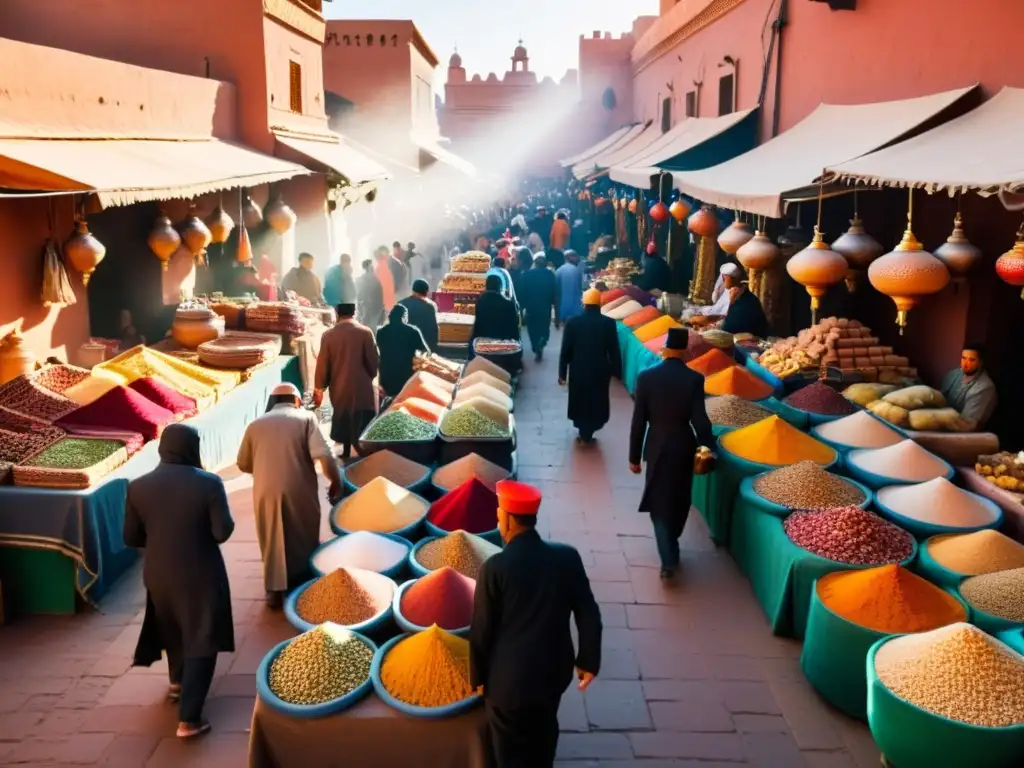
[349, 597]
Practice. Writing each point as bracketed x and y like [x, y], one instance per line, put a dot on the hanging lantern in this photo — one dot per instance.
[758, 253]
[196, 236]
[958, 253]
[659, 212]
[279, 216]
[734, 236]
[704, 222]
[600, 202]
[858, 248]
[164, 241]
[816, 268]
[679, 210]
[633, 205]
[220, 225]
[252, 217]
[907, 273]
[83, 251]
[1010, 266]
[244, 255]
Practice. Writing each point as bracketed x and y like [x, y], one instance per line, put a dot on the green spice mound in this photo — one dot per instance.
[76, 453]
[321, 665]
[467, 421]
[396, 426]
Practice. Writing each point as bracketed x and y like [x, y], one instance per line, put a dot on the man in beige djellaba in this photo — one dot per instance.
[280, 450]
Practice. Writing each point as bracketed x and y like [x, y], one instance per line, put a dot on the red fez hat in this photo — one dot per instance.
[518, 498]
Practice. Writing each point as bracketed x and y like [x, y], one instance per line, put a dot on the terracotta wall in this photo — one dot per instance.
[604, 63]
[284, 46]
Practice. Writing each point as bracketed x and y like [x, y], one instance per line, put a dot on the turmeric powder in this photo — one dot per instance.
[428, 669]
[737, 380]
[889, 599]
[773, 441]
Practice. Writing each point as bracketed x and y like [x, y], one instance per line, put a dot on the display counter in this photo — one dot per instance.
[1012, 504]
[636, 358]
[369, 735]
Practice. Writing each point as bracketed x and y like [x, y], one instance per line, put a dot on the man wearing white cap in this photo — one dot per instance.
[280, 450]
[720, 296]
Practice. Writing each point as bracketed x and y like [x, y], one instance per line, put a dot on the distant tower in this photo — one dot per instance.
[456, 72]
[520, 57]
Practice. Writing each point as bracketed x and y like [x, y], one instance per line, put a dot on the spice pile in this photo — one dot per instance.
[889, 599]
[483, 364]
[655, 329]
[618, 301]
[459, 550]
[379, 506]
[362, 549]
[905, 461]
[711, 362]
[397, 426]
[736, 380]
[999, 594]
[21, 437]
[321, 665]
[773, 441]
[939, 502]
[439, 366]
[958, 672]
[484, 392]
[849, 535]
[641, 317]
[398, 469]
[443, 597]
[470, 466]
[860, 430]
[472, 507]
[805, 485]
[468, 421]
[428, 669]
[975, 553]
[75, 453]
[821, 399]
[428, 387]
[345, 597]
[483, 377]
[733, 411]
[623, 310]
[427, 410]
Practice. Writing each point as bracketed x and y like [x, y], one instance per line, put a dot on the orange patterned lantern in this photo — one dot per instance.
[679, 210]
[220, 225]
[703, 223]
[906, 274]
[1010, 266]
[816, 268]
[83, 251]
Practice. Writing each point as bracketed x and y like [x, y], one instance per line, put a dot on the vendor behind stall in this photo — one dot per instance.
[302, 282]
[969, 388]
[745, 314]
[656, 275]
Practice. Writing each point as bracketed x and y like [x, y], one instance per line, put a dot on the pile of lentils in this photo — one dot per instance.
[849, 535]
[459, 550]
[321, 665]
[958, 672]
[467, 421]
[805, 485]
[820, 398]
[396, 426]
[337, 597]
[733, 411]
[998, 594]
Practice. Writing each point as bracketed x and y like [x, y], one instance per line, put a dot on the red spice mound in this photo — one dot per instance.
[161, 394]
[471, 507]
[121, 409]
[712, 362]
[642, 317]
[443, 597]
[609, 296]
[849, 535]
[697, 346]
[820, 398]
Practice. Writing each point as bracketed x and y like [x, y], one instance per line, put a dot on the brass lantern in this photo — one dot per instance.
[758, 253]
[817, 267]
[83, 251]
[195, 235]
[164, 240]
[958, 253]
[858, 248]
[252, 216]
[220, 225]
[279, 216]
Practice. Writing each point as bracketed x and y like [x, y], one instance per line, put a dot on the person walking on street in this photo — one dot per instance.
[369, 297]
[386, 275]
[346, 366]
[423, 313]
[339, 285]
[540, 301]
[496, 316]
[521, 649]
[570, 288]
[417, 266]
[398, 343]
[590, 358]
[178, 510]
[669, 424]
[399, 271]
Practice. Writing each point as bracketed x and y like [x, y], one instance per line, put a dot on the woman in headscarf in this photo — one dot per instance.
[179, 515]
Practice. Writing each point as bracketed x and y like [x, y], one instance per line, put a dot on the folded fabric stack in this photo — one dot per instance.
[24, 396]
[275, 317]
[71, 463]
[240, 350]
[181, 406]
[21, 437]
[202, 385]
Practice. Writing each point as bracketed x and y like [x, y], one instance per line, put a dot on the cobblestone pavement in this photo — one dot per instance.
[692, 675]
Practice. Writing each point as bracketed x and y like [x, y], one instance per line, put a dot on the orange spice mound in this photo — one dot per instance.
[736, 380]
[642, 317]
[711, 363]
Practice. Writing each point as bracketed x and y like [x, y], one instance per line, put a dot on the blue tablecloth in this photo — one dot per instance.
[86, 525]
[636, 358]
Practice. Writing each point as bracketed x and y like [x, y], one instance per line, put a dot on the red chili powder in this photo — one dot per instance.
[443, 597]
[471, 507]
[711, 362]
[609, 296]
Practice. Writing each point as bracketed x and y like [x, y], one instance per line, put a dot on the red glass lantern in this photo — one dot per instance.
[659, 212]
[679, 210]
[1010, 266]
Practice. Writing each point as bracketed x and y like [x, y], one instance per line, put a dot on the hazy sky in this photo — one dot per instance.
[487, 32]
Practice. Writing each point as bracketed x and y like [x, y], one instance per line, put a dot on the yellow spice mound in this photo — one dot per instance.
[379, 506]
[773, 441]
[428, 669]
[976, 553]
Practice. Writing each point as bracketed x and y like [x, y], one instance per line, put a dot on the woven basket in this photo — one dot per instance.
[53, 477]
[240, 350]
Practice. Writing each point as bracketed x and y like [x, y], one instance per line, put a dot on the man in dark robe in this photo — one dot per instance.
[422, 312]
[520, 646]
[541, 224]
[496, 316]
[540, 300]
[745, 315]
[656, 275]
[590, 358]
[369, 297]
[669, 423]
[399, 270]
[398, 343]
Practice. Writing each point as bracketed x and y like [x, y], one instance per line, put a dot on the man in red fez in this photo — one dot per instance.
[521, 649]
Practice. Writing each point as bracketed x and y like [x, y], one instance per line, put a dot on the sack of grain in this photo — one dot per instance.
[912, 398]
[865, 394]
[938, 420]
[891, 413]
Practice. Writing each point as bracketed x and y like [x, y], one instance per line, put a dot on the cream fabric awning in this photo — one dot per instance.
[758, 181]
[684, 136]
[621, 154]
[979, 151]
[335, 153]
[123, 172]
[433, 148]
[594, 149]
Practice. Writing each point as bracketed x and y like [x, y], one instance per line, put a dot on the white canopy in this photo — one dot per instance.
[608, 142]
[618, 154]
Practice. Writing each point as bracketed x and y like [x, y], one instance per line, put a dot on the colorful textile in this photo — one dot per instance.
[203, 385]
[60, 377]
[23, 396]
[21, 437]
[91, 388]
[163, 395]
[122, 409]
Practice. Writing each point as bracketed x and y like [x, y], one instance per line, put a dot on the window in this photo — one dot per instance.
[666, 115]
[295, 86]
[727, 94]
[691, 104]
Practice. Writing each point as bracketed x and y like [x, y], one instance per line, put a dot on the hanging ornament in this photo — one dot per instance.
[857, 247]
[220, 225]
[908, 272]
[600, 202]
[195, 235]
[734, 236]
[279, 216]
[633, 205]
[83, 251]
[1010, 266]
[958, 253]
[758, 253]
[244, 255]
[817, 267]
[252, 217]
[703, 223]
[659, 212]
[164, 241]
[679, 210]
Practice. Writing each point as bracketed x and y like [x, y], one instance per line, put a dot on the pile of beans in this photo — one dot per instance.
[805, 485]
[321, 665]
[998, 594]
[467, 421]
[396, 426]
[338, 597]
[459, 550]
[958, 672]
[733, 411]
[849, 535]
[820, 398]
